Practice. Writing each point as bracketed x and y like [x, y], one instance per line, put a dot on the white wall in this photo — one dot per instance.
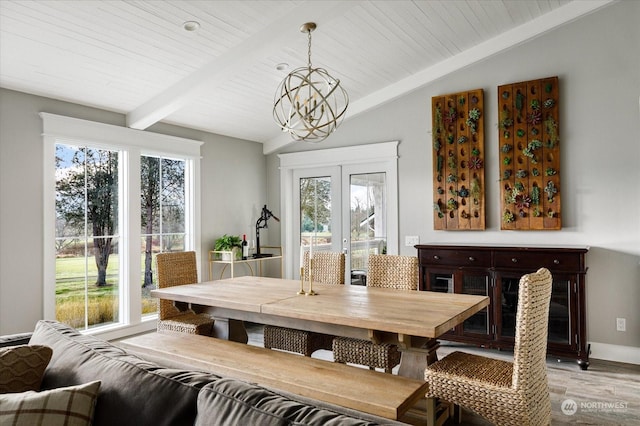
[232, 183]
[597, 60]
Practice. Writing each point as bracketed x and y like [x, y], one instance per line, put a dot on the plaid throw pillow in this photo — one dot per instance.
[71, 406]
[22, 367]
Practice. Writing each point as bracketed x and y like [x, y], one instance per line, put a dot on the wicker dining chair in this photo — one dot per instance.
[179, 268]
[386, 271]
[506, 393]
[328, 268]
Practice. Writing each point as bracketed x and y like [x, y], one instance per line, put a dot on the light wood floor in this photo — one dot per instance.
[608, 393]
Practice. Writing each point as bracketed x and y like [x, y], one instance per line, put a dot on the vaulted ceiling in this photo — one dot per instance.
[135, 57]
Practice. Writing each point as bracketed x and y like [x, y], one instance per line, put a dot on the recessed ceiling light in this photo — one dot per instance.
[282, 66]
[191, 25]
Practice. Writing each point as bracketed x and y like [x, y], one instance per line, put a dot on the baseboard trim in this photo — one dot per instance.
[617, 353]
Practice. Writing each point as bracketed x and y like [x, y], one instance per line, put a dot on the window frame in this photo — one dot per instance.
[132, 144]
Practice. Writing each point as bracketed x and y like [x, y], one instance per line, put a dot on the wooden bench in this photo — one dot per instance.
[381, 394]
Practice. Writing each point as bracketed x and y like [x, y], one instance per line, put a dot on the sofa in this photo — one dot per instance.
[132, 390]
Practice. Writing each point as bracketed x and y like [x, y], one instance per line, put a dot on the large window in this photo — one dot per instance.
[120, 197]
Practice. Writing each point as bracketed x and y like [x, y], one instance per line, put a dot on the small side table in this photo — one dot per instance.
[215, 257]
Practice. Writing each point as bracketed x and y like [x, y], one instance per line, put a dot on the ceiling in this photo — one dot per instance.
[135, 57]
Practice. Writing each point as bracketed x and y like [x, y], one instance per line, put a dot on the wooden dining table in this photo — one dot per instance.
[411, 319]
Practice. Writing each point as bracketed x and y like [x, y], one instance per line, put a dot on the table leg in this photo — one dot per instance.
[412, 364]
[415, 360]
[230, 329]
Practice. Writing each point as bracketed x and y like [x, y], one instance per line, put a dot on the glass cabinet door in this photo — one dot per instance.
[560, 311]
[508, 306]
[476, 284]
[467, 282]
[440, 282]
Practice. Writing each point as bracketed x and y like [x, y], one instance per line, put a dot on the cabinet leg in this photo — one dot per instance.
[583, 363]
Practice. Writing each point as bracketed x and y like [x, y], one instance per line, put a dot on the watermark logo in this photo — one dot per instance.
[569, 407]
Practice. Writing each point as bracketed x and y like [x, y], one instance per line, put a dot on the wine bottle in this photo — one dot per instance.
[245, 247]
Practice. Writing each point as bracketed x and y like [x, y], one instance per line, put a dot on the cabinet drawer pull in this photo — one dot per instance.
[436, 257]
[472, 259]
[514, 260]
[556, 262]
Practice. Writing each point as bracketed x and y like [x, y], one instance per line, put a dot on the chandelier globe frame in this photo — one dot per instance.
[309, 103]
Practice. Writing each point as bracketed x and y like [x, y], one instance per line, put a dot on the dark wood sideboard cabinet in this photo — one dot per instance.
[495, 272]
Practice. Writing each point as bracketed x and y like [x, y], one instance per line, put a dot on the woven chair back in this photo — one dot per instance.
[532, 321]
[328, 267]
[175, 268]
[393, 271]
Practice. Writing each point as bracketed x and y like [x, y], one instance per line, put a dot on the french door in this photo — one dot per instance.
[364, 217]
[349, 207]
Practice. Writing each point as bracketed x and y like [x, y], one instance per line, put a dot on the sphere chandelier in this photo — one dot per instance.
[309, 103]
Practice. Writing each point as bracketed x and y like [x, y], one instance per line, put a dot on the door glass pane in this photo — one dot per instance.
[368, 222]
[315, 212]
[477, 285]
[559, 312]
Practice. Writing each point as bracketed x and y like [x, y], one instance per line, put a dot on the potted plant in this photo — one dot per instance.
[229, 243]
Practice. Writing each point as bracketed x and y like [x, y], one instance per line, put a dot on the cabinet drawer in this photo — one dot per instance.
[534, 260]
[460, 258]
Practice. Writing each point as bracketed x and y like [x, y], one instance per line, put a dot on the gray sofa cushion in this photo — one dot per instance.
[133, 391]
[14, 339]
[233, 402]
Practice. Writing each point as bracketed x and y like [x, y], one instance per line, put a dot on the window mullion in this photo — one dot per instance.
[131, 233]
[86, 242]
